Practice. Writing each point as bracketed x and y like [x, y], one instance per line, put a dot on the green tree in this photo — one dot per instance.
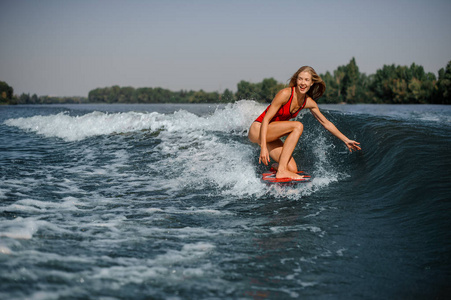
[227, 96]
[142, 95]
[160, 95]
[6, 93]
[402, 84]
[98, 95]
[247, 90]
[204, 97]
[24, 98]
[350, 81]
[126, 95]
[330, 95]
[443, 90]
[383, 82]
[339, 75]
[34, 99]
[269, 88]
[113, 94]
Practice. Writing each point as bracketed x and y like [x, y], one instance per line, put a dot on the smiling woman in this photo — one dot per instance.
[273, 123]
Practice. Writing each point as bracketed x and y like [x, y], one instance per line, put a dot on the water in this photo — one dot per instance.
[166, 202]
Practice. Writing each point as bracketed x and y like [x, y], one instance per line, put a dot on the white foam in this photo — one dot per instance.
[208, 152]
[33, 206]
[3, 193]
[183, 233]
[190, 210]
[206, 159]
[75, 128]
[19, 228]
[24, 228]
[172, 266]
[340, 251]
[310, 228]
[153, 210]
[5, 250]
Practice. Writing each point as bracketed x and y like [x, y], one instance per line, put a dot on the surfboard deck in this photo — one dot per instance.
[270, 177]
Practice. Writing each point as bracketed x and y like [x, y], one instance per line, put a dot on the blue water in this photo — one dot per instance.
[166, 202]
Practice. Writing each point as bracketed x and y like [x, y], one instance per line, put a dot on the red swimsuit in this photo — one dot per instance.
[284, 113]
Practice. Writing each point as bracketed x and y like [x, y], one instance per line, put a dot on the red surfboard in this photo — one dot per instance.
[270, 177]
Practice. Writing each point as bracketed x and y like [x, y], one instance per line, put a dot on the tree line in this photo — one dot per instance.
[391, 84]
[116, 94]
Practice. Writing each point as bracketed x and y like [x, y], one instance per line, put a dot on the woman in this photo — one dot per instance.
[272, 124]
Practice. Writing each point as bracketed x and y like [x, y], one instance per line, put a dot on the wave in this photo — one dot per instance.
[212, 151]
[76, 128]
[180, 186]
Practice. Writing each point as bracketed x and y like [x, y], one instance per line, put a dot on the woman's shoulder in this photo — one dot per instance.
[310, 103]
[282, 97]
[284, 93]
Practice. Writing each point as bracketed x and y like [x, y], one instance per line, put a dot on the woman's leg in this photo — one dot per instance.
[275, 150]
[287, 150]
[275, 131]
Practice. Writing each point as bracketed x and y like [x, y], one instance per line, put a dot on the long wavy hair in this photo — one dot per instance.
[317, 89]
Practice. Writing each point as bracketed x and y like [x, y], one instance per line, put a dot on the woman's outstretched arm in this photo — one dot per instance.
[352, 145]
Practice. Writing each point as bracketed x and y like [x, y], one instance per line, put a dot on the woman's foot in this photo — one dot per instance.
[288, 174]
[275, 168]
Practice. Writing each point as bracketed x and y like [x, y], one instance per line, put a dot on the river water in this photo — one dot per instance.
[166, 202]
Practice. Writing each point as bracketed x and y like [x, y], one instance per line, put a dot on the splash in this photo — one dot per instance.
[207, 152]
[75, 128]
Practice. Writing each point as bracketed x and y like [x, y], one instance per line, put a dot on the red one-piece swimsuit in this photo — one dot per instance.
[284, 113]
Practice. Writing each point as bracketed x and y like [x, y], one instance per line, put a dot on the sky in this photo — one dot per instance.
[67, 48]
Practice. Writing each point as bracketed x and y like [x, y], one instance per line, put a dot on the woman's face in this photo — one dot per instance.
[304, 81]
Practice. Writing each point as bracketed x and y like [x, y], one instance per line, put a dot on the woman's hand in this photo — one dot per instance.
[264, 156]
[352, 145]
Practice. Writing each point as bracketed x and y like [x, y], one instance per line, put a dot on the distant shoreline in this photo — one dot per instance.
[346, 85]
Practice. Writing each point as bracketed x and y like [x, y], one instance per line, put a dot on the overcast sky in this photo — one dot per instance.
[67, 48]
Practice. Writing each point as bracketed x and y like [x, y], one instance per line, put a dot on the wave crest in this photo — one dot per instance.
[235, 116]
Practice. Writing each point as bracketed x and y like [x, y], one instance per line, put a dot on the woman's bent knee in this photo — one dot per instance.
[298, 126]
[254, 132]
